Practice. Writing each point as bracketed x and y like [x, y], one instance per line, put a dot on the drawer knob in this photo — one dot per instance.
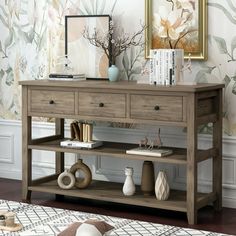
[51, 102]
[156, 108]
[101, 104]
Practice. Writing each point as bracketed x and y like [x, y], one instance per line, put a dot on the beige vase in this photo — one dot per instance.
[162, 189]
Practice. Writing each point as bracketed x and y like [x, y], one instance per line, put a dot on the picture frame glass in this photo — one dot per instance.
[84, 57]
[178, 24]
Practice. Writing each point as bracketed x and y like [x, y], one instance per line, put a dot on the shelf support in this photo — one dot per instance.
[60, 158]
[26, 153]
[217, 160]
[191, 159]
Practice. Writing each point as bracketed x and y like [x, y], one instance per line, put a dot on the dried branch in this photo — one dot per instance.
[114, 46]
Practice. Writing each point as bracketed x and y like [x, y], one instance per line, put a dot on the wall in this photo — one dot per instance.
[32, 37]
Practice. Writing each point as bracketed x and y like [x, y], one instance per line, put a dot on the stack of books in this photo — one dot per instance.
[166, 66]
[70, 77]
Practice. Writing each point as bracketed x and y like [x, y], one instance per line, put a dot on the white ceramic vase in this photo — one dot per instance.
[129, 186]
[162, 189]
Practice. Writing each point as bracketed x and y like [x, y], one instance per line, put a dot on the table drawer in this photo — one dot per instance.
[163, 108]
[102, 105]
[52, 102]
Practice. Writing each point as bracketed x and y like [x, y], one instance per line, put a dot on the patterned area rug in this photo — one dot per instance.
[48, 221]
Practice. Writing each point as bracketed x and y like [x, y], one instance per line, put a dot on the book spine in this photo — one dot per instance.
[167, 68]
[173, 82]
[152, 67]
[60, 76]
[157, 62]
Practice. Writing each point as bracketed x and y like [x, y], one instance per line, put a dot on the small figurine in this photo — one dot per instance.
[143, 142]
[188, 66]
[156, 142]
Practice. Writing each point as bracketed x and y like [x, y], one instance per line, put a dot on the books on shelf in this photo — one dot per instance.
[166, 66]
[150, 152]
[57, 76]
[79, 144]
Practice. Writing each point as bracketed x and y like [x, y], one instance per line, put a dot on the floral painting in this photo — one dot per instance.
[177, 24]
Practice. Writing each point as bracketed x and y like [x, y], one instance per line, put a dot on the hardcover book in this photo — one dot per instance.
[55, 76]
[78, 144]
[150, 152]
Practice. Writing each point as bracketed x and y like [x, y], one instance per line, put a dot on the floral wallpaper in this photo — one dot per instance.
[32, 40]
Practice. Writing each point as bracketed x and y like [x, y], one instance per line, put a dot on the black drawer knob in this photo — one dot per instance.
[51, 102]
[101, 104]
[156, 108]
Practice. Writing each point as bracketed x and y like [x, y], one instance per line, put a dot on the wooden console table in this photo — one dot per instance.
[183, 106]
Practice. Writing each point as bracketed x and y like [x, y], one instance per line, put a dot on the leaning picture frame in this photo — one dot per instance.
[177, 24]
[85, 58]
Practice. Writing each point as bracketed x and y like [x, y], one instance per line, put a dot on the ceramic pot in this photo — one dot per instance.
[84, 182]
[148, 178]
[129, 187]
[113, 73]
[162, 189]
[66, 180]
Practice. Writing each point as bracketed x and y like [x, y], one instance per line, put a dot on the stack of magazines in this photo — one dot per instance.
[70, 77]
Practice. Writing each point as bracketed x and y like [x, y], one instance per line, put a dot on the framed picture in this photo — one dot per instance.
[177, 24]
[82, 55]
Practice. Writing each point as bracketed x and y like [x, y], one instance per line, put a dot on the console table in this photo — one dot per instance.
[129, 102]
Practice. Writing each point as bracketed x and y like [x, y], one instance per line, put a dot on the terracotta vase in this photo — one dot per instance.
[129, 187]
[162, 189]
[148, 178]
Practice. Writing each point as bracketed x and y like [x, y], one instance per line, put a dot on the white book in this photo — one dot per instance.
[78, 144]
[67, 79]
[157, 70]
[152, 67]
[150, 152]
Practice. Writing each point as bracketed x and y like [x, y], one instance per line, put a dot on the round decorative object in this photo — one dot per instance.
[113, 73]
[148, 178]
[81, 182]
[162, 188]
[129, 187]
[66, 180]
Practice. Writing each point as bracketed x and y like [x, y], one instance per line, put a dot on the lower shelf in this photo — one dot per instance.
[112, 192]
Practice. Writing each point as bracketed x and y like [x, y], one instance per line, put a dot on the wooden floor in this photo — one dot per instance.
[223, 222]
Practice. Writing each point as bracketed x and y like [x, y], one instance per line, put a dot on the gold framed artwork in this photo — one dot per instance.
[177, 24]
[84, 57]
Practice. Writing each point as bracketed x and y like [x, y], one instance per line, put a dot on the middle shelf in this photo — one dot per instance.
[112, 149]
[118, 150]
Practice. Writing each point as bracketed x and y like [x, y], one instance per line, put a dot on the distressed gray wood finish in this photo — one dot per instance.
[183, 106]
